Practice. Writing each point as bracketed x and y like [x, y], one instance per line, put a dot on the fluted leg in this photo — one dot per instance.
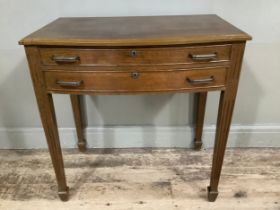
[80, 122]
[200, 113]
[48, 118]
[226, 106]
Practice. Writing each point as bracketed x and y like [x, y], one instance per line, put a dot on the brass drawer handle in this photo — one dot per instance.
[201, 81]
[203, 57]
[65, 59]
[69, 84]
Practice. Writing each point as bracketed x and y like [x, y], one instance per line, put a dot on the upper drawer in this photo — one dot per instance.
[135, 56]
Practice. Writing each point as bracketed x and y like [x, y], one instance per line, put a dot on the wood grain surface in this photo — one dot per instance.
[135, 31]
[123, 81]
[140, 179]
[135, 56]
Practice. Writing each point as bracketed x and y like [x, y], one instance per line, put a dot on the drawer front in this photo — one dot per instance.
[135, 81]
[138, 56]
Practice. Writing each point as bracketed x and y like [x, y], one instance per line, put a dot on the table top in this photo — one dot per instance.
[135, 31]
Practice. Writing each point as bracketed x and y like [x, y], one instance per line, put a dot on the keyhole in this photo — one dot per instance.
[134, 75]
[133, 53]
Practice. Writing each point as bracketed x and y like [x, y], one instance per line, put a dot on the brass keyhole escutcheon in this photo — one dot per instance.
[134, 75]
[133, 53]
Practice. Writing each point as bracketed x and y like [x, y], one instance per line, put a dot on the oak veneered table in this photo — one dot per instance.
[135, 55]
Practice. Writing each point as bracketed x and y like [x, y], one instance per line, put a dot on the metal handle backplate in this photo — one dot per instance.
[65, 59]
[203, 57]
[201, 81]
[69, 83]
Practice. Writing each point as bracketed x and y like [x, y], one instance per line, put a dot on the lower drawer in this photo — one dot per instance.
[134, 81]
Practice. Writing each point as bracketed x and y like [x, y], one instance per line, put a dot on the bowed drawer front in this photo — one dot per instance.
[135, 81]
[134, 56]
[88, 70]
[128, 70]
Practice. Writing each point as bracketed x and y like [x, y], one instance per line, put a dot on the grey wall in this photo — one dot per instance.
[258, 98]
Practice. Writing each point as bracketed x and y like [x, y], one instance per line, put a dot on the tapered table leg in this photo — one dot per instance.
[200, 113]
[47, 113]
[223, 126]
[80, 122]
[226, 105]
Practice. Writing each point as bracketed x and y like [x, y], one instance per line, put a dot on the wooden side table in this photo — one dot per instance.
[135, 55]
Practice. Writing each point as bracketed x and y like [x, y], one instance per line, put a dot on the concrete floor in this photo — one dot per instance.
[143, 179]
